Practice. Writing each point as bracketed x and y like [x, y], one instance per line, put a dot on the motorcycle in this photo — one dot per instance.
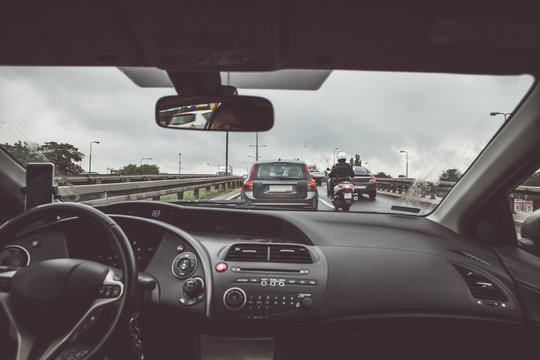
[343, 196]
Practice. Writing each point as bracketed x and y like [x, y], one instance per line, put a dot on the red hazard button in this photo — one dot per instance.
[221, 267]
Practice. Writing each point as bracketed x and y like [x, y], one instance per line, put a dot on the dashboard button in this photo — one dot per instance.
[221, 267]
[179, 248]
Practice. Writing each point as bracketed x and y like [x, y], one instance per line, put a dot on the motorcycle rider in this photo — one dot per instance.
[340, 170]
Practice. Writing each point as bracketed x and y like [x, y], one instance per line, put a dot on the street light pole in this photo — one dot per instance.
[179, 163]
[90, 157]
[406, 162]
[495, 113]
[335, 155]
[257, 146]
[368, 164]
[227, 154]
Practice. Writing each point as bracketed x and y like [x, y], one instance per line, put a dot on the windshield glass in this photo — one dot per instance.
[416, 133]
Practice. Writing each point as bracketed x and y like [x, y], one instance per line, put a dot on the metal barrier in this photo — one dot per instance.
[109, 179]
[439, 189]
[99, 194]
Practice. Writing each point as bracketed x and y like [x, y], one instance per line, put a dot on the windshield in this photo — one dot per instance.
[416, 133]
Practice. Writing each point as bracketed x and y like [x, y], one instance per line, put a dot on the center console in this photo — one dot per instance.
[269, 290]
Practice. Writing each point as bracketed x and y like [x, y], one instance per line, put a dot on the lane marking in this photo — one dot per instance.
[232, 197]
[327, 204]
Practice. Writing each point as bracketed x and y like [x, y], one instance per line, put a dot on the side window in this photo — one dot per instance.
[524, 200]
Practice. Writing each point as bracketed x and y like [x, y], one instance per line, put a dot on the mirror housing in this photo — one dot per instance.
[215, 113]
[530, 229]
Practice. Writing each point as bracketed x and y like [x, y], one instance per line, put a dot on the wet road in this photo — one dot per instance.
[381, 203]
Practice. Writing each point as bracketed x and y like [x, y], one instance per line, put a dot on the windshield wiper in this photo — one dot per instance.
[217, 203]
[406, 209]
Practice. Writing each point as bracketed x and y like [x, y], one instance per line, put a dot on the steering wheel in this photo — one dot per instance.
[50, 303]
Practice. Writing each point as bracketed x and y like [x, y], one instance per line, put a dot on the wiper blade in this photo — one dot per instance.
[220, 203]
[406, 209]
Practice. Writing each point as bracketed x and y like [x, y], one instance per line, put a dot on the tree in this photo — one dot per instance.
[130, 169]
[451, 175]
[533, 180]
[64, 156]
[401, 175]
[355, 161]
[145, 169]
[382, 175]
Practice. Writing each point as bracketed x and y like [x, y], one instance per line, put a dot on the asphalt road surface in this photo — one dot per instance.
[381, 203]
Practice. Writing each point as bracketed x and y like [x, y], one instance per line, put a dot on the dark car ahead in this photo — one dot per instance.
[281, 183]
[364, 182]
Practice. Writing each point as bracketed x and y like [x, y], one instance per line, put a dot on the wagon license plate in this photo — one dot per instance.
[347, 195]
[279, 188]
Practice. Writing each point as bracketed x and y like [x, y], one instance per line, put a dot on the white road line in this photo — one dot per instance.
[232, 197]
[327, 204]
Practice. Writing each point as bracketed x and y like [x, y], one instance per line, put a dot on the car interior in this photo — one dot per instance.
[173, 280]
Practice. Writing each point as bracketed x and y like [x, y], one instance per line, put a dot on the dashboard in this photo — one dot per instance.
[268, 267]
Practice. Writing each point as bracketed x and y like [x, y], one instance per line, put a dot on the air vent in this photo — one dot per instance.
[480, 286]
[269, 253]
[290, 254]
[472, 257]
[248, 252]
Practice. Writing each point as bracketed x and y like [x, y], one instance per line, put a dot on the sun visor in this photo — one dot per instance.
[288, 79]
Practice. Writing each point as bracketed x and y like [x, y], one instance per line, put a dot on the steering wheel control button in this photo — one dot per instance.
[234, 299]
[35, 243]
[109, 291]
[221, 267]
[184, 265]
[179, 248]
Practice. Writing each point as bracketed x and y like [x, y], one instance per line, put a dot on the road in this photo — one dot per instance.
[381, 203]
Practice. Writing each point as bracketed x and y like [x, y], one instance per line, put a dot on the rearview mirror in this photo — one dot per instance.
[215, 113]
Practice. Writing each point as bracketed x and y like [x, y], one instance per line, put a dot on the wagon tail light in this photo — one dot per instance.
[371, 179]
[311, 184]
[248, 186]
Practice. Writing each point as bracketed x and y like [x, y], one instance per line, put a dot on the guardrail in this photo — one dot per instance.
[99, 194]
[108, 179]
[440, 189]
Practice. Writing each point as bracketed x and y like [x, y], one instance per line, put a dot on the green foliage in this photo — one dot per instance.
[145, 169]
[533, 180]
[401, 175]
[357, 161]
[64, 156]
[382, 175]
[451, 175]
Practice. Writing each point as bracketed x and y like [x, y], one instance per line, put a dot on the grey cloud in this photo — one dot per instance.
[442, 120]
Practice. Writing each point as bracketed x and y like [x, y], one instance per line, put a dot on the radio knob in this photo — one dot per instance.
[307, 303]
[234, 299]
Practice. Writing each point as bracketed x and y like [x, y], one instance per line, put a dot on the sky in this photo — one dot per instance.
[442, 120]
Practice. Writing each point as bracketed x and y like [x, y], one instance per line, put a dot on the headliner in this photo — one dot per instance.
[247, 35]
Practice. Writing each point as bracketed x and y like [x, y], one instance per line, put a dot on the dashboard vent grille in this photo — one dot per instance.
[480, 286]
[248, 252]
[472, 257]
[290, 254]
[269, 253]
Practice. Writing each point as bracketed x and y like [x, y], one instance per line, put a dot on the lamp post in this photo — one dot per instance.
[257, 146]
[179, 163]
[406, 163]
[368, 164]
[495, 113]
[90, 157]
[335, 155]
[209, 167]
[146, 158]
